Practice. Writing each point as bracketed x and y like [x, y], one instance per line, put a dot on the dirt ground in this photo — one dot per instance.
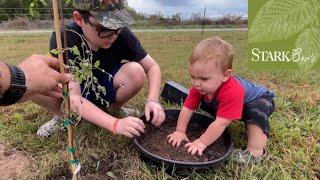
[13, 163]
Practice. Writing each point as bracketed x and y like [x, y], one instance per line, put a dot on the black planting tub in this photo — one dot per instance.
[202, 120]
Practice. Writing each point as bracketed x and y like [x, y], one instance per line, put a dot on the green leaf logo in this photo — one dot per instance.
[283, 19]
[309, 40]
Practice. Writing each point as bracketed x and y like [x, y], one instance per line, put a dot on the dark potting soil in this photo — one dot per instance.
[155, 141]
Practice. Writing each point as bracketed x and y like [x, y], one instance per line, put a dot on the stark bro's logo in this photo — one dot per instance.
[295, 55]
[287, 31]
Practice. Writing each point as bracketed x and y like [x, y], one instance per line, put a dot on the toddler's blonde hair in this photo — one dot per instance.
[214, 49]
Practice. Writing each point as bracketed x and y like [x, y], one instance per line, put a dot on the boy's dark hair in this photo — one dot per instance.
[84, 14]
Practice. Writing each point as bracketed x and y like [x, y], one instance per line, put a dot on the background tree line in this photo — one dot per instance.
[42, 10]
[31, 9]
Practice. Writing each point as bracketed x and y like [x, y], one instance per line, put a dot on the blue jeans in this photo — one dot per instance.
[255, 112]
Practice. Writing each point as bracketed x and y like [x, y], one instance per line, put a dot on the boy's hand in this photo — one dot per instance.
[158, 114]
[196, 146]
[176, 138]
[130, 127]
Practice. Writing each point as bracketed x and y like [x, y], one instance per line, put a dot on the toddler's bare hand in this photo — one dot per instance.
[196, 146]
[176, 138]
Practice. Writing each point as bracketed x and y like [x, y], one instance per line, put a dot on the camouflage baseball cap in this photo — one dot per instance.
[109, 13]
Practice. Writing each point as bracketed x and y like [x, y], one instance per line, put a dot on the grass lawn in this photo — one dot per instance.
[293, 152]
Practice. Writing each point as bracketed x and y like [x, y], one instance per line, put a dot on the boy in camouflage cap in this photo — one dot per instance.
[103, 24]
[110, 14]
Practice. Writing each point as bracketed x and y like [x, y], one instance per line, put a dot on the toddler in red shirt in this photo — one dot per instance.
[229, 97]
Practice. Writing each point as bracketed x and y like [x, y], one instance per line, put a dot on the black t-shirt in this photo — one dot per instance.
[125, 47]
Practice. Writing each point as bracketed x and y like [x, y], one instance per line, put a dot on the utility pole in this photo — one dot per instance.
[204, 17]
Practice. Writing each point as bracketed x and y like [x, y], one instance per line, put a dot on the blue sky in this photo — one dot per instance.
[187, 7]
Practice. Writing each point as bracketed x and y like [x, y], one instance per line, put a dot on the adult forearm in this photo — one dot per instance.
[91, 113]
[5, 78]
[154, 82]
[51, 104]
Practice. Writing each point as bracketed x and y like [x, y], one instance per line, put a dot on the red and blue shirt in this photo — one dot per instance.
[229, 97]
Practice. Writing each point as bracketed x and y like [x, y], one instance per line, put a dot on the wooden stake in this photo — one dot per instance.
[58, 24]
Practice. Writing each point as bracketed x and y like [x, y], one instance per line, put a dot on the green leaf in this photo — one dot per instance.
[95, 80]
[82, 77]
[280, 19]
[68, 2]
[31, 9]
[75, 51]
[309, 42]
[97, 64]
[43, 2]
[112, 175]
[102, 89]
[54, 51]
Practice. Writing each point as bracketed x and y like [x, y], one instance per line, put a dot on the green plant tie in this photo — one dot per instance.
[74, 162]
[65, 93]
[71, 150]
[67, 123]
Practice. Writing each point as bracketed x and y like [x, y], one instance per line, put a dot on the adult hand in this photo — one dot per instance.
[157, 111]
[196, 146]
[176, 138]
[129, 126]
[42, 75]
